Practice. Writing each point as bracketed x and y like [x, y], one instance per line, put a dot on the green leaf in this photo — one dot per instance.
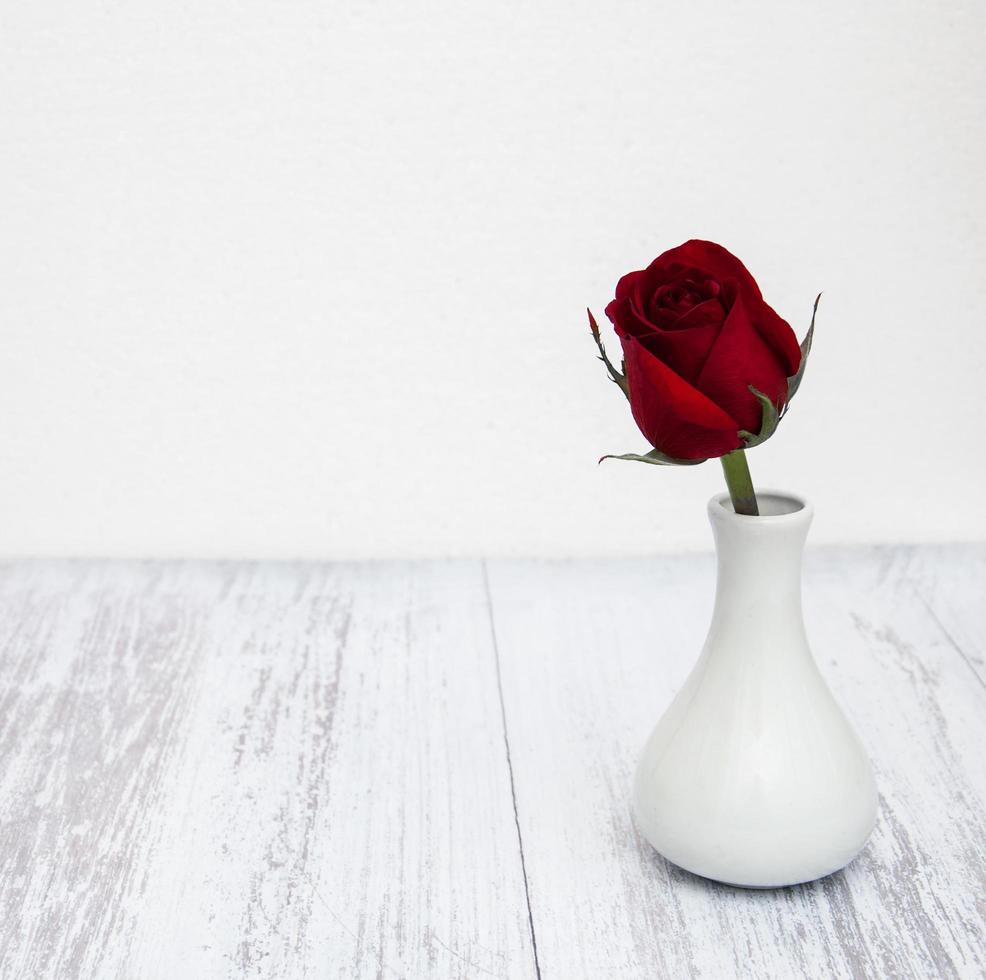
[794, 382]
[656, 458]
[768, 425]
[615, 376]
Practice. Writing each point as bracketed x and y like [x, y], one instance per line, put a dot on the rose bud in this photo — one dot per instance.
[709, 366]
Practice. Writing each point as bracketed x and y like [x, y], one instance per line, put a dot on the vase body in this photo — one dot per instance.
[754, 776]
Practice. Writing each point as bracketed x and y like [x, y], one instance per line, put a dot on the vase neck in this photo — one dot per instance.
[758, 581]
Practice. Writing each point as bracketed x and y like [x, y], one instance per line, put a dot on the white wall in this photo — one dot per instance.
[308, 279]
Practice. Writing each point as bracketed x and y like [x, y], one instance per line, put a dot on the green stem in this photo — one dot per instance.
[740, 484]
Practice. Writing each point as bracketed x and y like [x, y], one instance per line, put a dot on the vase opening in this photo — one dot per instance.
[772, 503]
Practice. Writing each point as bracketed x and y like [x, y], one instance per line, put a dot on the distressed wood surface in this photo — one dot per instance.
[591, 654]
[254, 771]
[422, 770]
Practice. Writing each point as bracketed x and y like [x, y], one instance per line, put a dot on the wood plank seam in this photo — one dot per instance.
[510, 769]
[948, 636]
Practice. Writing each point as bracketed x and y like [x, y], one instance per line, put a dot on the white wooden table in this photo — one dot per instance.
[422, 770]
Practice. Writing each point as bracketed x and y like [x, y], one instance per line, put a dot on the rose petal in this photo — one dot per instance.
[714, 261]
[778, 333]
[739, 358]
[703, 314]
[673, 415]
[625, 319]
[722, 264]
[629, 283]
[684, 350]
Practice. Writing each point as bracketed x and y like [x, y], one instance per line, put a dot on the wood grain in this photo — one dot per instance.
[264, 771]
[590, 655]
[219, 770]
[950, 581]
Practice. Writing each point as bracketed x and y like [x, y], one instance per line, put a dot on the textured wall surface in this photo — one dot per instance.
[309, 279]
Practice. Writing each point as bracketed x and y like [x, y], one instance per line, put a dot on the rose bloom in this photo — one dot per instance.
[696, 335]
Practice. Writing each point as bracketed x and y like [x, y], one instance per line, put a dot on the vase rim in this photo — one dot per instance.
[776, 507]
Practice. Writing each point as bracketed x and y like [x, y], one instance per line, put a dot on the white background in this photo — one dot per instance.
[309, 279]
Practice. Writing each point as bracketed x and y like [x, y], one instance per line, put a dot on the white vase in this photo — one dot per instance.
[754, 776]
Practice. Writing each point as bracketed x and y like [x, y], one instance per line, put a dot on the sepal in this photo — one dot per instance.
[768, 424]
[794, 382]
[656, 458]
[618, 378]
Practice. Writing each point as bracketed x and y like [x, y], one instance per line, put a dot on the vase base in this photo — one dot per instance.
[794, 882]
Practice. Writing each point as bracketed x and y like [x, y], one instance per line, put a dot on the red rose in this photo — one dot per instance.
[697, 335]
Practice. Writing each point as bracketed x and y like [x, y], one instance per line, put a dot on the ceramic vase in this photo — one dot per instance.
[754, 776]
